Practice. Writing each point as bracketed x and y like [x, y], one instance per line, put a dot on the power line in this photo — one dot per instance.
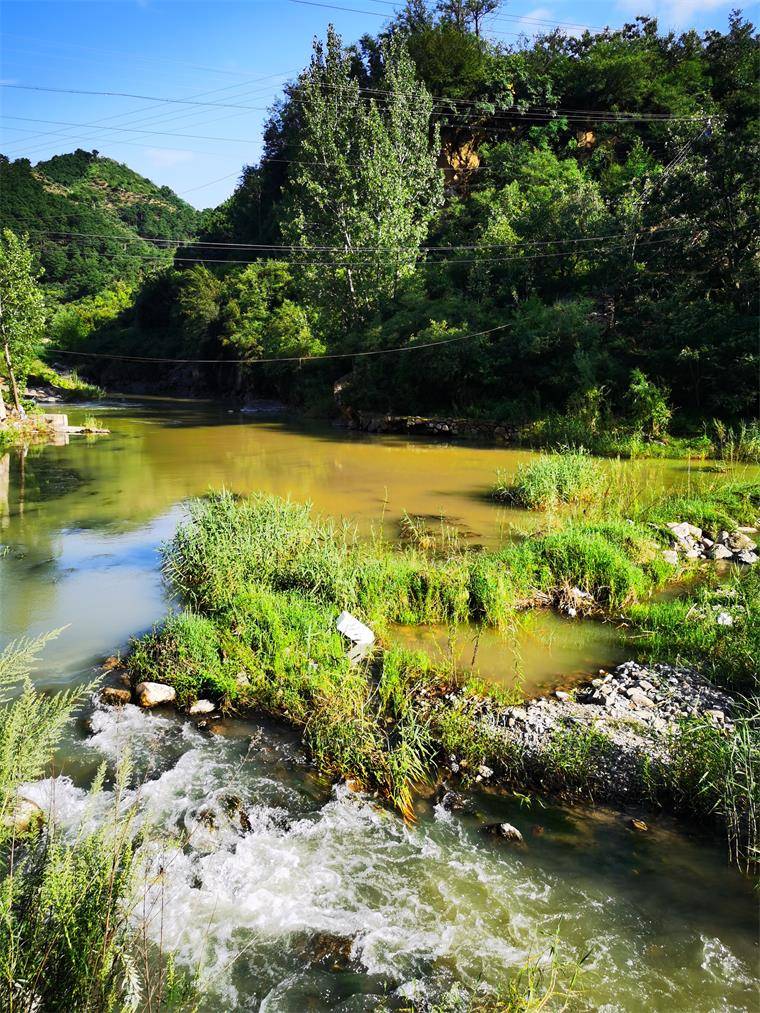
[290, 247]
[503, 112]
[289, 358]
[162, 117]
[354, 263]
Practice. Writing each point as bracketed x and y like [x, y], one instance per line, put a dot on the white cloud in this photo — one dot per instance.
[675, 14]
[166, 158]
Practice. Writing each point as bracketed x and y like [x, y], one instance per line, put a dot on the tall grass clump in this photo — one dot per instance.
[715, 629]
[717, 773]
[68, 940]
[551, 480]
[737, 444]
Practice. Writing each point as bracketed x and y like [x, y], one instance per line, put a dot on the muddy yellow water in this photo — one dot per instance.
[84, 521]
[324, 902]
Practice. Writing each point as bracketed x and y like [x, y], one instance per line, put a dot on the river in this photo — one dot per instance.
[323, 901]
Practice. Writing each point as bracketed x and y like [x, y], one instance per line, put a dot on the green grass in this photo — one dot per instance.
[726, 505]
[551, 480]
[264, 579]
[67, 936]
[70, 386]
[741, 443]
[687, 629]
[718, 774]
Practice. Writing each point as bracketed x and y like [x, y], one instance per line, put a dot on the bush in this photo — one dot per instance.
[649, 408]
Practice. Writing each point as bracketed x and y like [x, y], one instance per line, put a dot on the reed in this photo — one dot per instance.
[571, 476]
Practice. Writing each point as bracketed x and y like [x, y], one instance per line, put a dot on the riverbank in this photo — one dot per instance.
[723, 443]
[263, 582]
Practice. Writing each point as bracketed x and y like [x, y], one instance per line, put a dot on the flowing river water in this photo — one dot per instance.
[316, 899]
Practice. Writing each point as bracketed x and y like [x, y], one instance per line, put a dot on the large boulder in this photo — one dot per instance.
[153, 694]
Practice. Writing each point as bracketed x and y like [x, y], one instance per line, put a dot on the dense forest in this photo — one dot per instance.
[587, 203]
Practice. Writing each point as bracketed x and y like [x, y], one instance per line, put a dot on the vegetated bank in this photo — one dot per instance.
[263, 581]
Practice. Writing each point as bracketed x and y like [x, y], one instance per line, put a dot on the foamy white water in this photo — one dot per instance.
[285, 899]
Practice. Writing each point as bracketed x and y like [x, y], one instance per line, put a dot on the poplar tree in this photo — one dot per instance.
[22, 314]
[365, 185]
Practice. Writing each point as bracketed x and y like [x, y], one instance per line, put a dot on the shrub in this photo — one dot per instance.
[649, 408]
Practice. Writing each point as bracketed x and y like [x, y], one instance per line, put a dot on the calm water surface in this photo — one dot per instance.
[327, 902]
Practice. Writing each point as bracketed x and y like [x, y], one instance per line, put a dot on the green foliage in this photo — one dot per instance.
[574, 757]
[552, 479]
[22, 313]
[715, 628]
[649, 407]
[365, 179]
[65, 938]
[717, 773]
[96, 197]
[726, 506]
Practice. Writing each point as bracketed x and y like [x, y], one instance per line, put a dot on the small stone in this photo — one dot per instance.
[201, 707]
[505, 831]
[670, 556]
[561, 694]
[114, 696]
[484, 771]
[639, 699]
[707, 543]
[748, 557]
[715, 715]
[719, 551]
[724, 619]
[23, 814]
[638, 825]
[694, 553]
[153, 694]
[737, 541]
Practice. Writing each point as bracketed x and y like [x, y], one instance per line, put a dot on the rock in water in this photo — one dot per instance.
[23, 813]
[115, 696]
[505, 831]
[153, 694]
[453, 802]
[202, 707]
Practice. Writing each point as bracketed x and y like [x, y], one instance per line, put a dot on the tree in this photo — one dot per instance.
[365, 185]
[466, 13]
[22, 314]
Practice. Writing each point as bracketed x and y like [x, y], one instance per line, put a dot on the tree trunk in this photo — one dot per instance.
[11, 377]
[3, 412]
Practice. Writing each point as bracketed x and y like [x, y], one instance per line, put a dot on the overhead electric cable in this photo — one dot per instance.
[290, 247]
[287, 358]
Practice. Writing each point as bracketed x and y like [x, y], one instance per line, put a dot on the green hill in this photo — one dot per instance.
[84, 193]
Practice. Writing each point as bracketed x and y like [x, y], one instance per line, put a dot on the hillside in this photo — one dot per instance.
[84, 193]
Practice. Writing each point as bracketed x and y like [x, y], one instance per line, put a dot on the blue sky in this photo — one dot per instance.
[237, 52]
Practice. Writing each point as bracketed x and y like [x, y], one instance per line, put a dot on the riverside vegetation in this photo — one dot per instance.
[262, 581]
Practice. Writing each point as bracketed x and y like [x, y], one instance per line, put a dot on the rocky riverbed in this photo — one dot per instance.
[610, 730]
[599, 739]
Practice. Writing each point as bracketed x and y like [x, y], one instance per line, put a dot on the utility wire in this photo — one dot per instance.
[293, 248]
[353, 263]
[288, 358]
